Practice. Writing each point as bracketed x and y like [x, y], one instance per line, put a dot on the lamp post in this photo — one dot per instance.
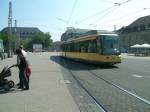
[64, 21]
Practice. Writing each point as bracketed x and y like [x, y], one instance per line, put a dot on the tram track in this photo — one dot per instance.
[121, 88]
[137, 79]
[130, 102]
[99, 105]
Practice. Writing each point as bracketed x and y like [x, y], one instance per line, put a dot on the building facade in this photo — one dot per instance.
[23, 32]
[137, 32]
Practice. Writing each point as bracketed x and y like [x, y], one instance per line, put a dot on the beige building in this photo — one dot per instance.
[136, 33]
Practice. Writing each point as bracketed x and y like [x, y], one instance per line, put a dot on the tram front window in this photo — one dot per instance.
[110, 45]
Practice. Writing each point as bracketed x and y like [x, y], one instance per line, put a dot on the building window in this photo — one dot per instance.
[135, 29]
[128, 30]
[142, 27]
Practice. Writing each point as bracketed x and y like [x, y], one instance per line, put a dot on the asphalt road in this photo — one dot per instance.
[132, 75]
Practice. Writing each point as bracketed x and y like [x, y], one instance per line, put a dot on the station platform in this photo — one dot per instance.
[47, 91]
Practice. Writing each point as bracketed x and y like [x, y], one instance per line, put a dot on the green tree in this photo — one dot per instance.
[48, 41]
[40, 38]
[5, 37]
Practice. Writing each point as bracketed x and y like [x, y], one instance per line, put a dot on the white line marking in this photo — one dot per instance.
[65, 81]
[137, 76]
[140, 76]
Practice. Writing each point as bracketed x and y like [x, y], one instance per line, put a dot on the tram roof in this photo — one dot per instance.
[89, 37]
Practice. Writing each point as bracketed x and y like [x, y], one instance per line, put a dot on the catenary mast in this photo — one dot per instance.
[10, 30]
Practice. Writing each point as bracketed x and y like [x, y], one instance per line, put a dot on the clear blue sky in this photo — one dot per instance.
[53, 15]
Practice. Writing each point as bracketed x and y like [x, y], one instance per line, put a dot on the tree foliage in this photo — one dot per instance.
[6, 38]
[40, 38]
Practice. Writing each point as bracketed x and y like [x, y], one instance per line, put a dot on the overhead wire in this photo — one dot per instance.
[105, 15]
[84, 19]
[72, 11]
[128, 17]
[103, 11]
[126, 1]
[115, 4]
[131, 14]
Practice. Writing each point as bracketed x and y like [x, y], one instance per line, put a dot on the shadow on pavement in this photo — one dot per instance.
[12, 90]
[78, 65]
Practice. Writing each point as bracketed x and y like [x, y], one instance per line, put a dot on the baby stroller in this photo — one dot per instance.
[4, 83]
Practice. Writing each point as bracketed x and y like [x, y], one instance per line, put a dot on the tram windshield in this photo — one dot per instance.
[110, 45]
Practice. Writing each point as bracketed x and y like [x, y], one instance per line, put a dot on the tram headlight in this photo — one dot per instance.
[116, 51]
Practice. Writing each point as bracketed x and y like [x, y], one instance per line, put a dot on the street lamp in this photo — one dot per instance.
[64, 21]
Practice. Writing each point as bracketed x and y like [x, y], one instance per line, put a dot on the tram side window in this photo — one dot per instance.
[67, 48]
[84, 46]
[92, 46]
[63, 48]
[99, 45]
[72, 47]
[77, 47]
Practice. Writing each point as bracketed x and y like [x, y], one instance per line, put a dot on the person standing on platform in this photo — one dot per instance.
[22, 65]
[24, 53]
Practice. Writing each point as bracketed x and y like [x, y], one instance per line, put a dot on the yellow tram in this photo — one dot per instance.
[98, 48]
